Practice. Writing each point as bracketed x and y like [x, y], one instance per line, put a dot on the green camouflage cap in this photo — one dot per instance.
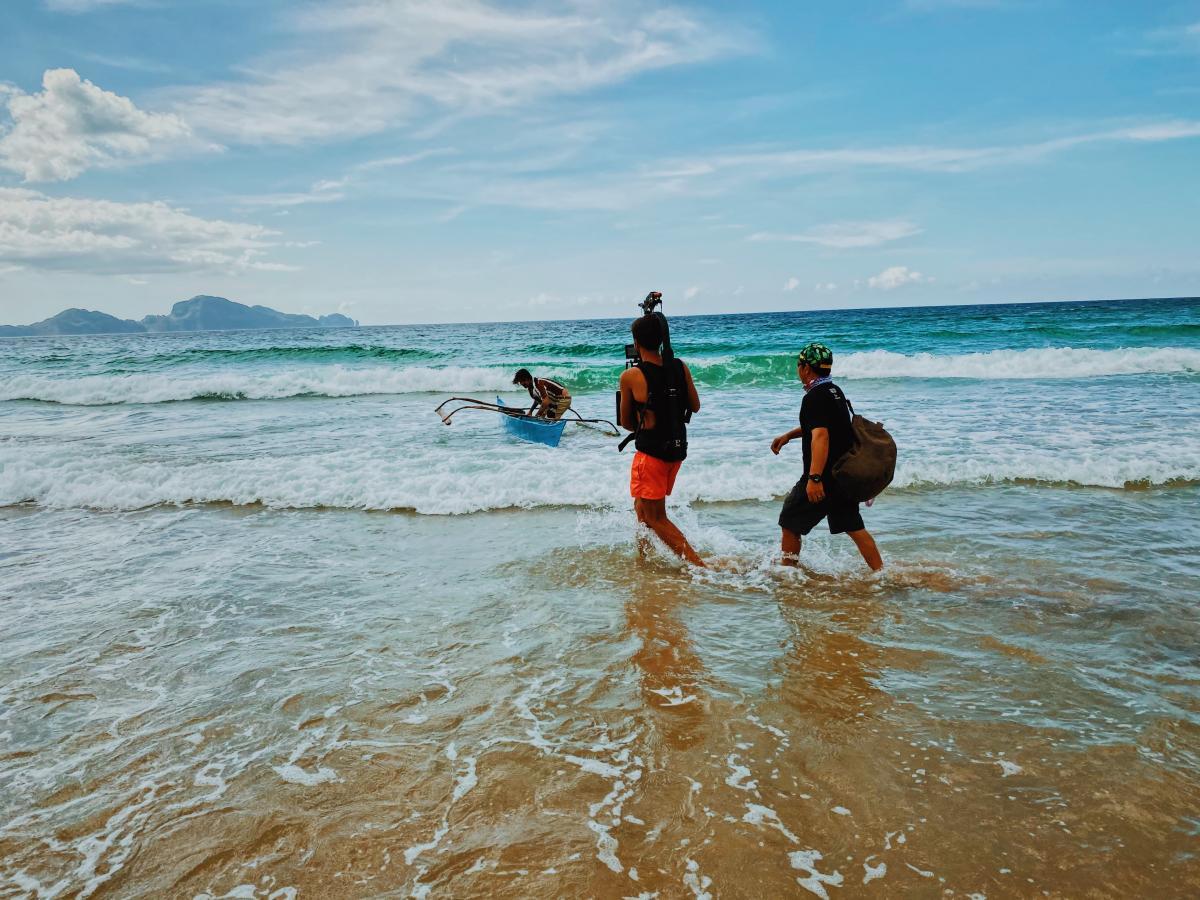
[817, 355]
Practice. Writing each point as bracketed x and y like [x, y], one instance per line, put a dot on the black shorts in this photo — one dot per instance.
[800, 517]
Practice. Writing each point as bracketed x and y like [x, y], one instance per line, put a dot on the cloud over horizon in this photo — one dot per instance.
[846, 235]
[895, 277]
[102, 237]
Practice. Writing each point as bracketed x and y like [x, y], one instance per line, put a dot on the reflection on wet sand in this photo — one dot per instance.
[671, 672]
[608, 728]
[830, 669]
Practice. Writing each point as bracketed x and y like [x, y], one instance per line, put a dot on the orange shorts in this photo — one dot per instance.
[651, 478]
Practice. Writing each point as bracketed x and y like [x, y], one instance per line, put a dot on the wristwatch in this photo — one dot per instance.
[815, 479]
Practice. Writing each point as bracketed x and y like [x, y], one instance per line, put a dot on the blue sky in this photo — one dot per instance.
[405, 160]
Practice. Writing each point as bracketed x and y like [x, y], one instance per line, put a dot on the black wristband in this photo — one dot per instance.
[815, 479]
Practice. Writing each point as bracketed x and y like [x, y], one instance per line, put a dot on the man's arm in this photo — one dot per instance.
[786, 438]
[820, 450]
[820, 453]
[630, 379]
[693, 397]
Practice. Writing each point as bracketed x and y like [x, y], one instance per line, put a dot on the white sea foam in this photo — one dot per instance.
[814, 880]
[739, 775]
[765, 816]
[1047, 362]
[293, 774]
[870, 872]
[325, 381]
[429, 480]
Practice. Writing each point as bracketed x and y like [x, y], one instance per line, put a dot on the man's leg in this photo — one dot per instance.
[791, 548]
[866, 546]
[653, 514]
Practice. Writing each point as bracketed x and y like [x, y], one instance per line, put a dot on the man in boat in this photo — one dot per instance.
[826, 434]
[551, 400]
[661, 433]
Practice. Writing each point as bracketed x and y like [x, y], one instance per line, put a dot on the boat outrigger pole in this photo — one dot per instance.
[473, 403]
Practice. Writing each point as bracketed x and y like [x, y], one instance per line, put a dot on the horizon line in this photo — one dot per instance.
[765, 312]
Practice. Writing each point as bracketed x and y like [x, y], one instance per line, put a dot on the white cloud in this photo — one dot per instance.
[129, 63]
[72, 125]
[846, 235]
[791, 284]
[725, 172]
[1162, 131]
[894, 277]
[407, 159]
[363, 67]
[452, 213]
[103, 237]
[759, 164]
[936, 5]
[83, 6]
[1180, 40]
[691, 292]
[331, 190]
[825, 287]
[321, 192]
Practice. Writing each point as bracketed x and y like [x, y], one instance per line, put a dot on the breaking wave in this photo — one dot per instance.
[244, 383]
[425, 480]
[324, 381]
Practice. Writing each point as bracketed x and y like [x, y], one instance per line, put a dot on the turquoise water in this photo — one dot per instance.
[269, 622]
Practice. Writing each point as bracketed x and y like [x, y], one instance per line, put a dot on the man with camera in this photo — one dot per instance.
[657, 397]
[826, 432]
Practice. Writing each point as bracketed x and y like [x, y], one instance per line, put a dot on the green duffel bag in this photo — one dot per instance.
[869, 465]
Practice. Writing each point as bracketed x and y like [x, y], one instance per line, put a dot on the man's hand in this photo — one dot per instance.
[815, 491]
[779, 443]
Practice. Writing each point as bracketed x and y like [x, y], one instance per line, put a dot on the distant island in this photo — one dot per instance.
[202, 313]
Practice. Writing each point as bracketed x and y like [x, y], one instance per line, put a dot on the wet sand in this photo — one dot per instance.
[251, 703]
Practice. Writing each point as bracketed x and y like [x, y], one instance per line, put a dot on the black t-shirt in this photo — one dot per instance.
[824, 406]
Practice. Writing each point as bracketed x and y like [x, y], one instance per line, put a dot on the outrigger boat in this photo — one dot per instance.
[522, 425]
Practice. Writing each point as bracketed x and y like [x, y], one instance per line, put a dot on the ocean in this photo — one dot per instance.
[271, 629]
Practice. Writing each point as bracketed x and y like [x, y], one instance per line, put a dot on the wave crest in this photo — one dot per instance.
[745, 371]
[426, 480]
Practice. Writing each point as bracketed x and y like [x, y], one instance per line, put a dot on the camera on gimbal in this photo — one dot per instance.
[653, 299]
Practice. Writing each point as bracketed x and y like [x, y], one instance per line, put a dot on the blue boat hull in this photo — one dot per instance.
[538, 431]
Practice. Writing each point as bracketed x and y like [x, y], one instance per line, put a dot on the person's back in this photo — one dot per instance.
[663, 433]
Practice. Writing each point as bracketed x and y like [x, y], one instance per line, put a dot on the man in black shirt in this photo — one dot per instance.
[826, 435]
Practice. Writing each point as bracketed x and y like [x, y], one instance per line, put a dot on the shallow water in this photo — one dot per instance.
[246, 654]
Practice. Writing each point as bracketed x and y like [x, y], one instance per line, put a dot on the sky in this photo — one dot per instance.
[475, 160]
